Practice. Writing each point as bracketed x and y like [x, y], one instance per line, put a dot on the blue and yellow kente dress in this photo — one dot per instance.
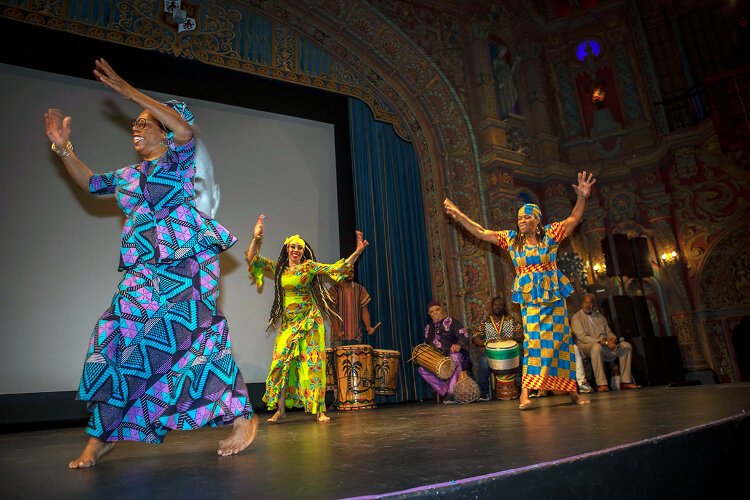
[540, 289]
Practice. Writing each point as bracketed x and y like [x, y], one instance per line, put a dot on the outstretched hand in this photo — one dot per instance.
[361, 242]
[451, 208]
[105, 74]
[57, 127]
[583, 188]
[258, 231]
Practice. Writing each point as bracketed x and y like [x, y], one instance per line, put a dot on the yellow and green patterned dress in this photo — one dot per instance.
[299, 353]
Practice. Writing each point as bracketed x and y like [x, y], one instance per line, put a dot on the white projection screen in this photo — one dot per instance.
[60, 245]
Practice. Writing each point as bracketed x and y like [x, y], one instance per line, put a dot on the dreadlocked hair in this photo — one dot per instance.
[520, 240]
[319, 292]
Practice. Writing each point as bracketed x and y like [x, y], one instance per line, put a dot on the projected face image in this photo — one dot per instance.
[207, 192]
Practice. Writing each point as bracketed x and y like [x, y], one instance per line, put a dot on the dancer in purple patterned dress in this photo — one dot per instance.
[160, 357]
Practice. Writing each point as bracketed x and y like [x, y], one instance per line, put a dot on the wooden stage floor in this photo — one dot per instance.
[393, 448]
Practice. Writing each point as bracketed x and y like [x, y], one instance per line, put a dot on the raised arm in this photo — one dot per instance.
[57, 128]
[471, 226]
[170, 118]
[361, 245]
[583, 190]
[254, 247]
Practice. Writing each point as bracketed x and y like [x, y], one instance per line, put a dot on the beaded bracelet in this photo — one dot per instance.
[63, 152]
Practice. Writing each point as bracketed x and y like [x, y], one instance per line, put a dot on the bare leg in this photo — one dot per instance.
[91, 454]
[243, 433]
[578, 400]
[281, 408]
[524, 401]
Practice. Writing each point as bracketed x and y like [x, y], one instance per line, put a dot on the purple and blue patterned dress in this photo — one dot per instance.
[160, 356]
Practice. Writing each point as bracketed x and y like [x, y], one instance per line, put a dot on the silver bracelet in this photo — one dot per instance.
[63, 152]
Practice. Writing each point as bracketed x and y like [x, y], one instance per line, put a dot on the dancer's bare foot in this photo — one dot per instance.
[524, 402]
[277, 417]
[243, 433]
[281, 411]
[322, 418]
[578, 400]
[91, 454]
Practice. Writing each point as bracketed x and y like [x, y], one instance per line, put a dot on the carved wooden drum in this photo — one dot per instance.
[386, 371]
[330, 369]
[354, 377]
[430, 359]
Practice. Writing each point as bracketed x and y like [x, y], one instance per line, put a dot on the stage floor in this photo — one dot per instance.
[393, 448]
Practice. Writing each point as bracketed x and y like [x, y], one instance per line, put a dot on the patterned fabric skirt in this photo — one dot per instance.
[549, 362]
[299, 362]
[160, 356]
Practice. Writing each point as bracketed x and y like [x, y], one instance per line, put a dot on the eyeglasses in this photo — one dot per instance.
[141, 123]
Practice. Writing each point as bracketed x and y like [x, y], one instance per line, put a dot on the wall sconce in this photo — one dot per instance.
[600, 269]
[670, 257]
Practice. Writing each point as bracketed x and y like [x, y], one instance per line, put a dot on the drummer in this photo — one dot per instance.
[349, 300]
[448, 336]
[498, 325]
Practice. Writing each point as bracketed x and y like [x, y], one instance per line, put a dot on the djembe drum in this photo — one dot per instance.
[330, 369]
[503, 358]
[431, 360]
[386, 371]
[466, 389]
[354, 374]
[503, 355]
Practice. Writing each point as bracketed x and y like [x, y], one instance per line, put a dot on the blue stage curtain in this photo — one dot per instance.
[394, 269]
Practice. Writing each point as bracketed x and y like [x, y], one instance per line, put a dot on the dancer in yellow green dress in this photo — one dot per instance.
[297, 376]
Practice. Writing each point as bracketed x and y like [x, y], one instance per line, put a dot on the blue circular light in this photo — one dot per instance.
[587, 47]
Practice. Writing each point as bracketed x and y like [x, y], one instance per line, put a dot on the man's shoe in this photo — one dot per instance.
[450, 400]
[602, 388]
[484, 397]
[624, 386]
[585, 389]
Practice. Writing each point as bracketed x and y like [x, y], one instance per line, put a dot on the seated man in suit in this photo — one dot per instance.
[596, 342]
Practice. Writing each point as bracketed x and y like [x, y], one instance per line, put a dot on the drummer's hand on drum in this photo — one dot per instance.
[455, 347]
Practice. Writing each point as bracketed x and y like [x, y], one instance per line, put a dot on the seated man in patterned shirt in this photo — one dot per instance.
[498, 325]
[450, 338]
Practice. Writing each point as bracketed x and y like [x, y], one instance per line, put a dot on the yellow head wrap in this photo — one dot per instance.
[294, 239]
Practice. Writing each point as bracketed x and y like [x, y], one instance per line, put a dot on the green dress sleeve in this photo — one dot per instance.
[260, 266]
[336, 271]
